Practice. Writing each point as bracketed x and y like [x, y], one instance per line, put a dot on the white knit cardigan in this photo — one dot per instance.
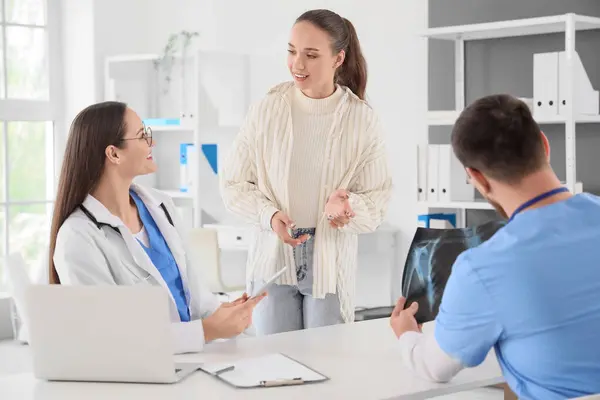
[254, 187]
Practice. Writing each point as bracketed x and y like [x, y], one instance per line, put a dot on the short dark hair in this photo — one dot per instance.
[498, 136]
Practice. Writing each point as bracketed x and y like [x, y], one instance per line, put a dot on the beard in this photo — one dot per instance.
[497, 207]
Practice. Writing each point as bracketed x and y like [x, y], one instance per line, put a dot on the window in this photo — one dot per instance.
[27, 116]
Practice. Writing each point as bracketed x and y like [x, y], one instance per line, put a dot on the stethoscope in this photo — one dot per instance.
[537, 199]
[99, 225]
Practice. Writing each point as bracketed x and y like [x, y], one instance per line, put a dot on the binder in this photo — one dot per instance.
[453, 179]
[187, 166]
[433, 172]
[545, 84]
[422, 172]
[584, 96]
[264, 371]
[211, 153]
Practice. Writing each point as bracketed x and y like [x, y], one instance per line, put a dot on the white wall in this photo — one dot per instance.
[396, 59]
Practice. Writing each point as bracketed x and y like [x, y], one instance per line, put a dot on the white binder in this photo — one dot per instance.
[584, 96]
[264, 371]
[433, 152]
[422, 172]
[545, 84]
[453, 180]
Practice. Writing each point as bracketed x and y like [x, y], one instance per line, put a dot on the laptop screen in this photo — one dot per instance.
[429, 263]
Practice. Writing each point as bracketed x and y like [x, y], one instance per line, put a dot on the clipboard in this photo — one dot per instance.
[271, 370]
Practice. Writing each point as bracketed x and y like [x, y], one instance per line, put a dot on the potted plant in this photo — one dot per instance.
[176, 43]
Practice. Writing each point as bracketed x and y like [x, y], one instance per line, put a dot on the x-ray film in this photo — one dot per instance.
[429, 263]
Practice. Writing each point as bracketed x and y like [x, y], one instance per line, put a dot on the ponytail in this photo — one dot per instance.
[353, 72]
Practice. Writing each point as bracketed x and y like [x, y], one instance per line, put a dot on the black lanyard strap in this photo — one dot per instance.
[537, 199]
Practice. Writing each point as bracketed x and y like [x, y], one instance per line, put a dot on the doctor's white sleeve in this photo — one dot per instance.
[78, 259]
[421, 353]
[188, 336]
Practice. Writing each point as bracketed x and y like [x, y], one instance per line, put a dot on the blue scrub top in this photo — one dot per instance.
[532, 292]
[162, 258]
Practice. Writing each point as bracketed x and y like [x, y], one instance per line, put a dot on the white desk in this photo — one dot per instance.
[361, 360]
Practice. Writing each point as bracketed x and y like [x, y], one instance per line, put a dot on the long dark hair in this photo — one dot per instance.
[353, 72]
[92, 131]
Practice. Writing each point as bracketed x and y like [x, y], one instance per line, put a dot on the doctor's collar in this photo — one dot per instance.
[100, 212]
[145, 195]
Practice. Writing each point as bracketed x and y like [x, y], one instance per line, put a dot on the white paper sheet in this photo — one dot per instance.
[250, 372]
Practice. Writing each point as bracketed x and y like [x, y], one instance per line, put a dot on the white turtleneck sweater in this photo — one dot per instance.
[312, 120]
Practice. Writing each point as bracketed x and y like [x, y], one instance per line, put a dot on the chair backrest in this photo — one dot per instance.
[40, 273]
[205, 252]
[18, 282]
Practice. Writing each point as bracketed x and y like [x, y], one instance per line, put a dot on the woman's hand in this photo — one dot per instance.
[230, 319]
[280, 223]
[237, 301]
[338, 210]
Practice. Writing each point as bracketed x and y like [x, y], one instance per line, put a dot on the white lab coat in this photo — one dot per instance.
[87, 255]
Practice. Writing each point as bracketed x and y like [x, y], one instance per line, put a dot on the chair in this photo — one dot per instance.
[205, 251]
[18, 282]
[40, 274]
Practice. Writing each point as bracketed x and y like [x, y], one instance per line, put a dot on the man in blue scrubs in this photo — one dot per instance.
[532, 291]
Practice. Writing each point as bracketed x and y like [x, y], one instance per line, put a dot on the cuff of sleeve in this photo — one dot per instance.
[356, 203]
[409, 339]
[249, 332]
[406, 343]
[188, 336]
[265, 217]
[352, 198]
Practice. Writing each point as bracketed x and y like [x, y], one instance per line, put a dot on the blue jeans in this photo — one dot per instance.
[290, 308]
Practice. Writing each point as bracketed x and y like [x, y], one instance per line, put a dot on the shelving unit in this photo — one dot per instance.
[568, 24]
[168, 128]
[462, 205]
[448, 118]
[177, 194]
[205, 98]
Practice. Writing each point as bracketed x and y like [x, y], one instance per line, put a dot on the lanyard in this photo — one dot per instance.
[537, 199]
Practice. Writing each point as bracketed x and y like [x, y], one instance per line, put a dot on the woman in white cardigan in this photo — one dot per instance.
[309, 170]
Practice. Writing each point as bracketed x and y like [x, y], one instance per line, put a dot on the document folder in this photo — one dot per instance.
[545, 84]
[264, 371]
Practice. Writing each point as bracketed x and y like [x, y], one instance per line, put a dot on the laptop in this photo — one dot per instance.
[102, 334]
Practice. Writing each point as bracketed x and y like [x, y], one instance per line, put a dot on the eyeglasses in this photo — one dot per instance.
[146, 135]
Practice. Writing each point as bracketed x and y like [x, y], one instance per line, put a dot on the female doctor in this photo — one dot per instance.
[107, 230]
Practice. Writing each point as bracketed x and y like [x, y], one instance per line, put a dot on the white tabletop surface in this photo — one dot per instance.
[361, 360]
